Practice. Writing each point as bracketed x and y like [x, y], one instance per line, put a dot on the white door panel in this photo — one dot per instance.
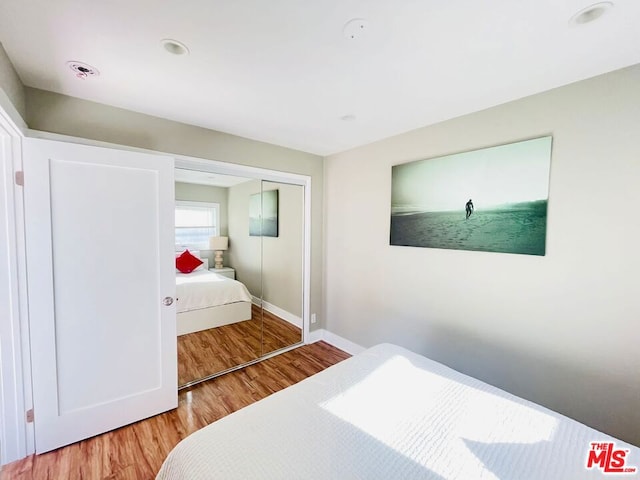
[100, 240]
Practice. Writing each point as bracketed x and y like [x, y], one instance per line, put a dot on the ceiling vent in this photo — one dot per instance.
[83, 70]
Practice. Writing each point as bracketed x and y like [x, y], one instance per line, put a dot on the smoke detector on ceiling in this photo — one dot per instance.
[355, 28]
[83, 70]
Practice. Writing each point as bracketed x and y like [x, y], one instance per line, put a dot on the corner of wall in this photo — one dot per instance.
[12, 92]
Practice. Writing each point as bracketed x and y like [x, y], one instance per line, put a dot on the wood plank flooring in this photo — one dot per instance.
[136, 452]
[214, 350]
[278, 333]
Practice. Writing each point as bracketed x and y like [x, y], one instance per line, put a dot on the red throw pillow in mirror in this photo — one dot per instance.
[187, 263]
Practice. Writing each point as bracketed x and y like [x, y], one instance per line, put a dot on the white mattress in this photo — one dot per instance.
[203, 289]
[390, 414]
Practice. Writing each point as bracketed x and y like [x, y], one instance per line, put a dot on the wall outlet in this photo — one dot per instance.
[313, 318]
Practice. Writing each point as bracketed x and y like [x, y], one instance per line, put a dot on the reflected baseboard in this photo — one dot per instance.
[278, 312]
[335, 340]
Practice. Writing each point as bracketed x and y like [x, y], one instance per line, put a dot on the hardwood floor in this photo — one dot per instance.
[214, 350]
[136, 452]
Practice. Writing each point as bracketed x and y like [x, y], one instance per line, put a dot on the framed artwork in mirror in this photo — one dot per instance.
[263, 214]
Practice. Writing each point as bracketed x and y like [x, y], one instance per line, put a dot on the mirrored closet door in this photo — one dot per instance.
[282, 265]
[245, 300]
[219, 318]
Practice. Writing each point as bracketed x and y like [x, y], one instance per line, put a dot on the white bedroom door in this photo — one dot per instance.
[101, 282]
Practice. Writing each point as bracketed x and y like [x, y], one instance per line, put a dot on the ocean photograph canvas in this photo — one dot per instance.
[263, 214]
[492, 199]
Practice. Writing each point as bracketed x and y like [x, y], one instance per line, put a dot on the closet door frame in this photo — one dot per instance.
[16, 433]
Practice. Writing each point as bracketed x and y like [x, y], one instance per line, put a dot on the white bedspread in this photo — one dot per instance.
[390, 414]
[203, 288]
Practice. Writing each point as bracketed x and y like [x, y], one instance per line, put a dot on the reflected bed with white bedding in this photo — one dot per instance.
[205, 300]
[388, 413]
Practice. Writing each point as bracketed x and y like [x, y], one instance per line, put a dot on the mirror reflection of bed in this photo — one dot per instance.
[252, 306]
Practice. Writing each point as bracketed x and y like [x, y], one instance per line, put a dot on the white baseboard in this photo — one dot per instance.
[335, 340]
[278, 312]
[316, 335]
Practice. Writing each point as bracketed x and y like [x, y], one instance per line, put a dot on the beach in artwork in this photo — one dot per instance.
[516, 228]
[493, 199]
[263, 214]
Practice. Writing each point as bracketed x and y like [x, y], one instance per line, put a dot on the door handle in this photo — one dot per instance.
[167, 301]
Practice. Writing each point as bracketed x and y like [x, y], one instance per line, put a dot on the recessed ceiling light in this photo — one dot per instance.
[174, 47]
[590, 13]
[83, 70]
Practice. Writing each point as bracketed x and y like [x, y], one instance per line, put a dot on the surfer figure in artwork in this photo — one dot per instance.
[469, 208]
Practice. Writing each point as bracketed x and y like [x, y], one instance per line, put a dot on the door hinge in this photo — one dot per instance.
[20, 178]
[29, 415]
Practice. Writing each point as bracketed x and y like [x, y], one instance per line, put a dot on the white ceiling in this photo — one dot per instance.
[282, 71]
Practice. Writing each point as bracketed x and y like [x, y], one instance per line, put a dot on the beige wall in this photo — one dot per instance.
[11, 84]
[270, 267]
[561, 330]
[282, 256]
[52, 112]
[245, 252]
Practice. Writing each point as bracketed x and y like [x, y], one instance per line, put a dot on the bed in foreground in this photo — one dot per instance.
[388, 413]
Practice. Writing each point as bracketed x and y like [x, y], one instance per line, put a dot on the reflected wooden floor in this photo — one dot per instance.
[277, 333]
[217, 349]
[214, 350]
[136, 452]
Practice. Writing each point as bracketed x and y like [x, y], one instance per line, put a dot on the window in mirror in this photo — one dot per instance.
[195, 223]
